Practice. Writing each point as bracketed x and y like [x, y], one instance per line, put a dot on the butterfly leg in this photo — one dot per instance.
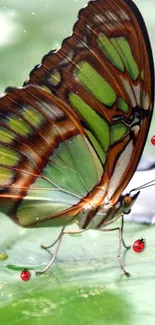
[62, 232]
[122, 228]
[49, 246]
[58, 240]
[119, 247]
[53, 258]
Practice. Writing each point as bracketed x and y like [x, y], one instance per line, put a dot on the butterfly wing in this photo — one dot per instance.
[104, 72]
[68, 147]
[44, 155]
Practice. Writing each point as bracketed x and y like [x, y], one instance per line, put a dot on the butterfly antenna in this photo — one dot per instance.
[148, 184]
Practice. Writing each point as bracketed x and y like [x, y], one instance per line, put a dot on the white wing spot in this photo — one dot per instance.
[120, 168]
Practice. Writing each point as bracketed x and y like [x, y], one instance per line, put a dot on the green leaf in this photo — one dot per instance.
[3, 256]
[84, 286]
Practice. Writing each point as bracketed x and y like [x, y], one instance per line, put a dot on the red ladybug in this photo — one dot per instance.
[25, 275]
[153, 140]
[139, 245]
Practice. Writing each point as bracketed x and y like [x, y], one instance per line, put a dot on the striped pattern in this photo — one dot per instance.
[106, 67]
[41, 152]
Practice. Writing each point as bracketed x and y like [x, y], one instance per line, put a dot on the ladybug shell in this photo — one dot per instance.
[138, 245]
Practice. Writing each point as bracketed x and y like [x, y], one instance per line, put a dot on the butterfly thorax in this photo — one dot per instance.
[106, 213]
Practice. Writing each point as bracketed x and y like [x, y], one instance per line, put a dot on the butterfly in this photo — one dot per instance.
[71, 138]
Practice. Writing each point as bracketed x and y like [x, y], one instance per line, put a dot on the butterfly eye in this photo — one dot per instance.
[127, 201]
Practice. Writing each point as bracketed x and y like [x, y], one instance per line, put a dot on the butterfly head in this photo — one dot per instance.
[128, 200]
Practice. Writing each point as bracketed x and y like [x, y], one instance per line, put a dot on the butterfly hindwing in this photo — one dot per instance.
[43, 158]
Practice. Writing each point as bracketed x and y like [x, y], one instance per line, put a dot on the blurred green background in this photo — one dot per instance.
[85, 286]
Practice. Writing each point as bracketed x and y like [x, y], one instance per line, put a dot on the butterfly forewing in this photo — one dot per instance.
[43, 158]
[104, 72]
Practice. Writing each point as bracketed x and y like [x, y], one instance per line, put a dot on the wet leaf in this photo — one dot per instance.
[84, 286]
